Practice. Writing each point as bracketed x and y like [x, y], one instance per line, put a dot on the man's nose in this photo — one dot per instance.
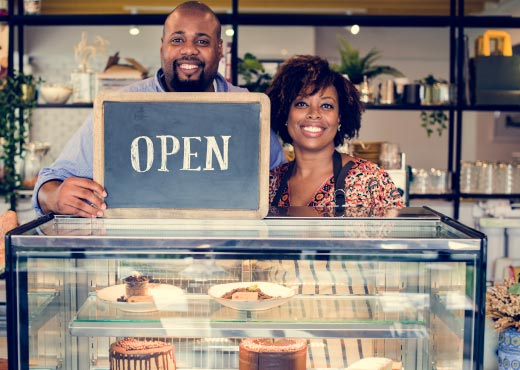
[189, 48]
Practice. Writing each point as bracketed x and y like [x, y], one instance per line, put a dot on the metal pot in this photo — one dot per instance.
[411, 93]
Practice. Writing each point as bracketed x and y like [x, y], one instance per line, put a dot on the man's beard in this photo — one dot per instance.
[197, 85]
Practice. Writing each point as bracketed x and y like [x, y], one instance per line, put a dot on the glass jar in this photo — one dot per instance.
[420, 182]
[516, 178]
[32, 6]
[390, 156]
[485, 177]
[504, 178]
[468, 177]
[31, 167]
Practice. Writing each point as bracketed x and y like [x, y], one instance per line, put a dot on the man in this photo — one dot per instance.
[191, 48]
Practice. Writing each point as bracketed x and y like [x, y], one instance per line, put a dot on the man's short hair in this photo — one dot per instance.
[197, 6]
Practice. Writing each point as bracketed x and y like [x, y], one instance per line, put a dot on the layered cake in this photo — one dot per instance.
[272, 354]
[134, 354]
[136, 285]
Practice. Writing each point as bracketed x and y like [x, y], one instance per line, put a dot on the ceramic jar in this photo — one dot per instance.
[509, 349]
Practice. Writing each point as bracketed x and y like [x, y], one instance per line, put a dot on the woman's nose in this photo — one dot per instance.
[313, 114]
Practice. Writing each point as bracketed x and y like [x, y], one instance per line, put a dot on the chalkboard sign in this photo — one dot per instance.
[183, 155]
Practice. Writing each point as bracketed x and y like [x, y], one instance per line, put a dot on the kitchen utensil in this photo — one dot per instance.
[386, 92]
[411, 93]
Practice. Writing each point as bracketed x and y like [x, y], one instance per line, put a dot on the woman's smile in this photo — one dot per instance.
[312, 130]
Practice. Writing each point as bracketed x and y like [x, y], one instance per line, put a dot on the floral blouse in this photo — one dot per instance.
[366, 185]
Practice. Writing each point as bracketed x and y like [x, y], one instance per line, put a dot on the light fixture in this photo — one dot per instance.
[229, 32]
[134, 30]
[354, 29]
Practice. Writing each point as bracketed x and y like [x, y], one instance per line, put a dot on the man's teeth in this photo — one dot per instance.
[312, 129]
[189, 66]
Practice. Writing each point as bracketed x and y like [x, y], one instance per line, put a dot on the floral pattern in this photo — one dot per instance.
[366, 185]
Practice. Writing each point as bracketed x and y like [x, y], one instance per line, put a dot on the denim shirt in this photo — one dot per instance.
[76, 158]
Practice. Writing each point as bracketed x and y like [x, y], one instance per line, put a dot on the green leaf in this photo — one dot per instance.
[514, 289]
[356, 67]
[253, 73]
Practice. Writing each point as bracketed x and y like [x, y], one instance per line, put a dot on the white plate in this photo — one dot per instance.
[164, 296]
[275, 290]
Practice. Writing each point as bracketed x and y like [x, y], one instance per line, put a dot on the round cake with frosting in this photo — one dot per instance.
[272, 354]
[131, 353]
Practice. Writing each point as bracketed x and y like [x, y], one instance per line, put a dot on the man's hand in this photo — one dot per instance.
[74, 196]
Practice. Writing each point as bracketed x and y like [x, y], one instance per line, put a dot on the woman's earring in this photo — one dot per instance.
[286, 123]
[339, 127]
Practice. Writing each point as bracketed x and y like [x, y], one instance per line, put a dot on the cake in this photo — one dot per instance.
[272, 354]
[133, 354]
[136, 285]
[372, 363]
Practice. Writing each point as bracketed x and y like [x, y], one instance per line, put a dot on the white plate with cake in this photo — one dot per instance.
[250, 296]
[158, 297]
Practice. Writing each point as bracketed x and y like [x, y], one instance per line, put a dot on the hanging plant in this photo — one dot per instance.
[17, 99]
[435, 121]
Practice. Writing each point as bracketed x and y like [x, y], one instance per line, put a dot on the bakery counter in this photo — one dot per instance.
[406, 288]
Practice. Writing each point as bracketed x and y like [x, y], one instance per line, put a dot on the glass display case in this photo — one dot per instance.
[407, 286]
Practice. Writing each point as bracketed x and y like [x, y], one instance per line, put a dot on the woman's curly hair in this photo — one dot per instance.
[305, 75]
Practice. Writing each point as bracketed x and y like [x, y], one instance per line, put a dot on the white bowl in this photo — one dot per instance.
[165, 297]
[282, 294]
[55, 94]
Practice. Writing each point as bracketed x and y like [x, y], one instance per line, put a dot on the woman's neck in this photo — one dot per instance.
[313, 164]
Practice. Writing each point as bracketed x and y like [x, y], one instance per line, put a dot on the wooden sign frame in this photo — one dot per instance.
[105, 99]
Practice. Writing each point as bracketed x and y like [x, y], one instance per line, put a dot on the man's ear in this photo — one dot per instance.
[161, 48]
[220, 49]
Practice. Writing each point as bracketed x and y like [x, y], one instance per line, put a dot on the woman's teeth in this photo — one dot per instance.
[312, 129]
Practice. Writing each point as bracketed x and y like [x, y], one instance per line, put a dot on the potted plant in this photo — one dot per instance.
[17, 99]
[434, 92]
[503, 306]
[255, 78]
[355, 66]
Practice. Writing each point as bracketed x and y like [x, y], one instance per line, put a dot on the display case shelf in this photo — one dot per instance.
[303, 316]
[42, 307]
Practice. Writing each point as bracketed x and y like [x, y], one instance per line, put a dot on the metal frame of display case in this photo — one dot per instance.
[241, 241]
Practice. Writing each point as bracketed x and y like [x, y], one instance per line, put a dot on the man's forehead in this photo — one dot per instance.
[184, 20]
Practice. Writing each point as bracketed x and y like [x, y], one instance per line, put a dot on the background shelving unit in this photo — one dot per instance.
[457, 22]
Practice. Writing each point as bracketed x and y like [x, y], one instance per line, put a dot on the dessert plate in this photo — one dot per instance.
[282, 293]
[164, 296]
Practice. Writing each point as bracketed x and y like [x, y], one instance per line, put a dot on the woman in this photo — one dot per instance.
[314, 108]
